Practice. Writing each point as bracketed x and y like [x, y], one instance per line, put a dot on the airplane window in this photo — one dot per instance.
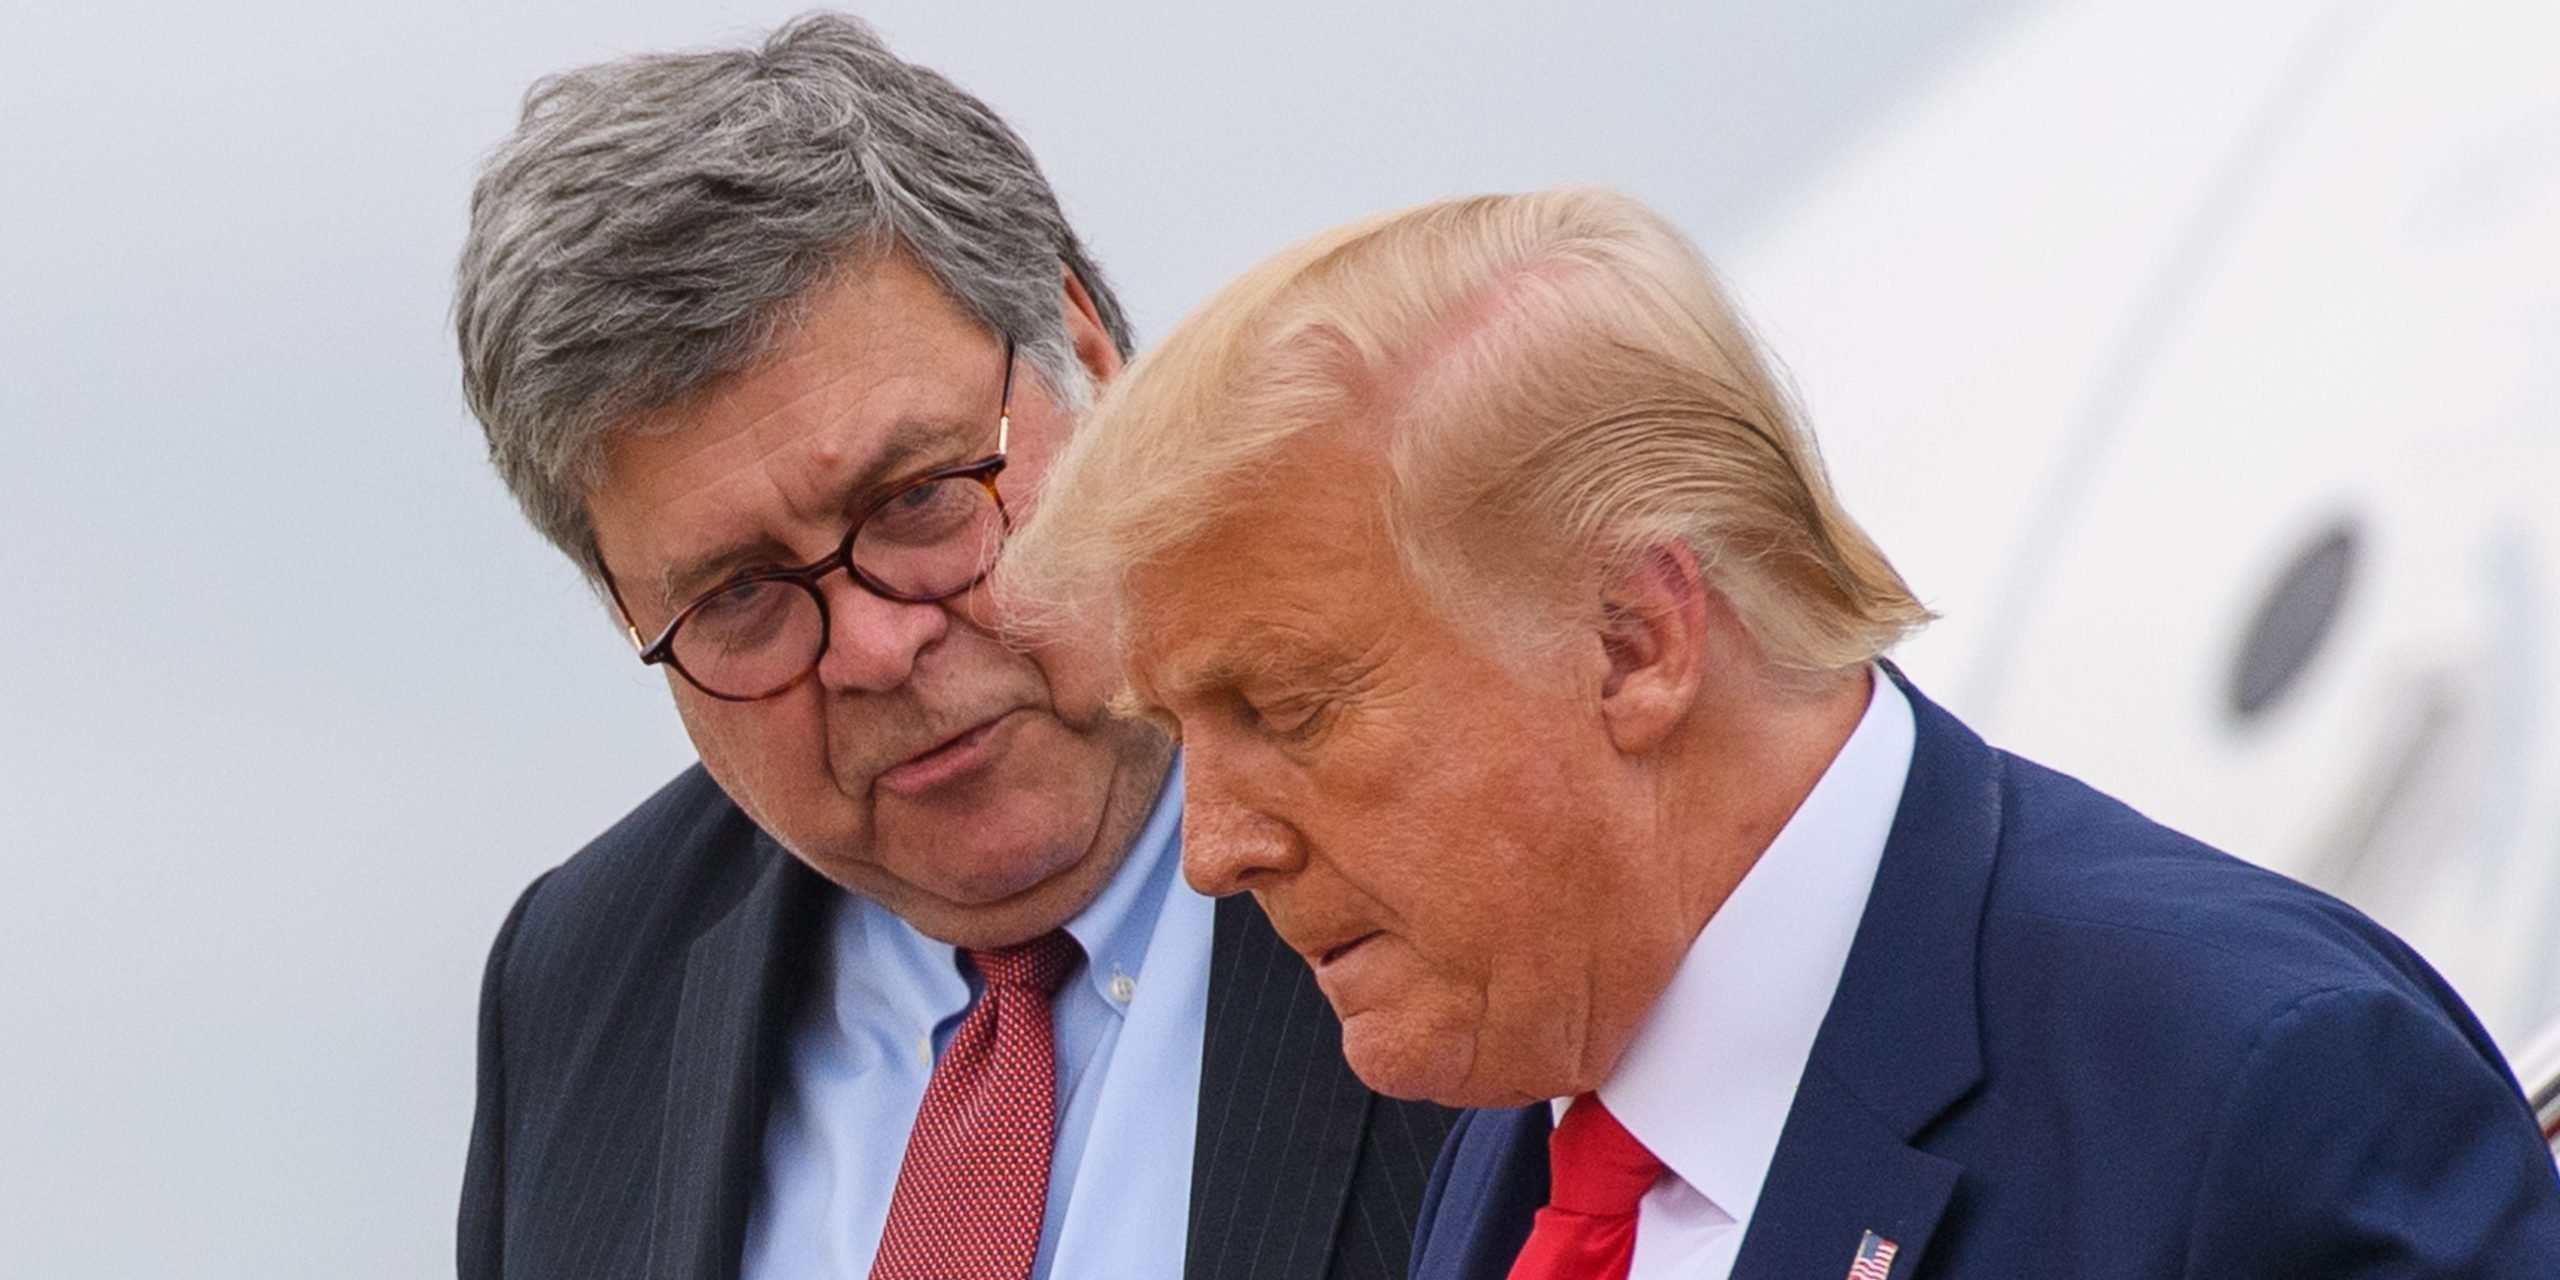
[2296, 616]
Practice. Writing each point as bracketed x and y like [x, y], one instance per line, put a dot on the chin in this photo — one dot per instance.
[1401, 1059]
[1000, 924]
[992, 867]
[991, 872]
[962, 917]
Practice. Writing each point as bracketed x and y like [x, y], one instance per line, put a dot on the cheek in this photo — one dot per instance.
[1052, 765]
[1498, 890]
[770, 756]
[1082, 679]
[1503, 841]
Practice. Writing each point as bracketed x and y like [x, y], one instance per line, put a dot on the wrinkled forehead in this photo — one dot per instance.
[878, 375]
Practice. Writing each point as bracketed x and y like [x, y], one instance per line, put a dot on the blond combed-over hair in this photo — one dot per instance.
[1554, 381]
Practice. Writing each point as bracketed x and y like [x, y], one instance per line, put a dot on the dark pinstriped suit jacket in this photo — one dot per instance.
[630, 1026]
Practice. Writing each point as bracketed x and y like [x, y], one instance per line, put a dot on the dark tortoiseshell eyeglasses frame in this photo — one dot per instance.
[983, 472]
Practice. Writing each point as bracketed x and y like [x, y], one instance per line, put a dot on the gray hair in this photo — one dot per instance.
[653, 221]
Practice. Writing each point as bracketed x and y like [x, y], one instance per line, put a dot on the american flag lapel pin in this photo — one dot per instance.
[1875, 1258]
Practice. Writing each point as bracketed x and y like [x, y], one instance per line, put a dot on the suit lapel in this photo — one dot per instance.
[1840, 1173]
[1494, 1168]
[737, 990]
[1901, 1043]
[1281, 1115]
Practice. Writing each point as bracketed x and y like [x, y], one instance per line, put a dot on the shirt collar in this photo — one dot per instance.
[1115, 927]
[1711, 1074]
[919, 980]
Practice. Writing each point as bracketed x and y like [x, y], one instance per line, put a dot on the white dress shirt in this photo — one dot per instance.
[1708, 1080]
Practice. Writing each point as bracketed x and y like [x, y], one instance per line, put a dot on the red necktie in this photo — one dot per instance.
[1597, 1174]
[976, 1179]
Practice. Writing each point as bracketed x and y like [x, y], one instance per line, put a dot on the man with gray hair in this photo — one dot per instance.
[773, 343]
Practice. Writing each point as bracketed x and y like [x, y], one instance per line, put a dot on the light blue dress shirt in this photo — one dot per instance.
[885, 1005]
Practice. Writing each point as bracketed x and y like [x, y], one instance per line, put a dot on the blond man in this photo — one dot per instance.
[1529, 673]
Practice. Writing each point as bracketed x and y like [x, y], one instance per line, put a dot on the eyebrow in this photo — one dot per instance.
[1283, 662]
[909, 439]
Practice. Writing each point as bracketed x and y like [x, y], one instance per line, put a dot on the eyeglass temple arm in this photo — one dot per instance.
[1004, 407]
[614, 589]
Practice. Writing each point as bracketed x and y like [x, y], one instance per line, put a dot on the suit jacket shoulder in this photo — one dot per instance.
[2083, 876]
[2279, 1085]
[682, 858]
[587, 1030]
[2071, 1041]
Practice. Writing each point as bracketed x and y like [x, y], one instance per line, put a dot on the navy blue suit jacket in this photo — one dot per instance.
[2070, 1042]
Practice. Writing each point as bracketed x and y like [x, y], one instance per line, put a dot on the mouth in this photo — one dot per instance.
[1333, 955]
[944, 762]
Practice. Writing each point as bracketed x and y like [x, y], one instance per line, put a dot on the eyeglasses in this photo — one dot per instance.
[928, 538]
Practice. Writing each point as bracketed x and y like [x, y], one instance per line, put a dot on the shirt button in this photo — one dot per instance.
[924, 1050]
[1122, 988]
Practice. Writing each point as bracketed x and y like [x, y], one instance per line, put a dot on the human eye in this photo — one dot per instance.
[743, 614]
[924, 513]
[1285, 719]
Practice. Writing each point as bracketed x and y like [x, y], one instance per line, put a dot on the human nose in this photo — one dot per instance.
[873, 641]
[1230, 843]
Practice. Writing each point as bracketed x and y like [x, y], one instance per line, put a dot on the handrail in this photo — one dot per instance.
[2537, 1068]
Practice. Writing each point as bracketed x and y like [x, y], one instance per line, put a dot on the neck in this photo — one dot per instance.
[1722, 791]
[1742, 772]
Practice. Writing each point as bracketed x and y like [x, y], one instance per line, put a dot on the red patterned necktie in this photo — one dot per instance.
[976, 1178]
[1597, 1174]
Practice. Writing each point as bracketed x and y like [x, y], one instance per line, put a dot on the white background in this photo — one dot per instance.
[292, 704]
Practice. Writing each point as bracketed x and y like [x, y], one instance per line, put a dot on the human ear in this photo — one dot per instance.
[1085, 330]
[1654, 623]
